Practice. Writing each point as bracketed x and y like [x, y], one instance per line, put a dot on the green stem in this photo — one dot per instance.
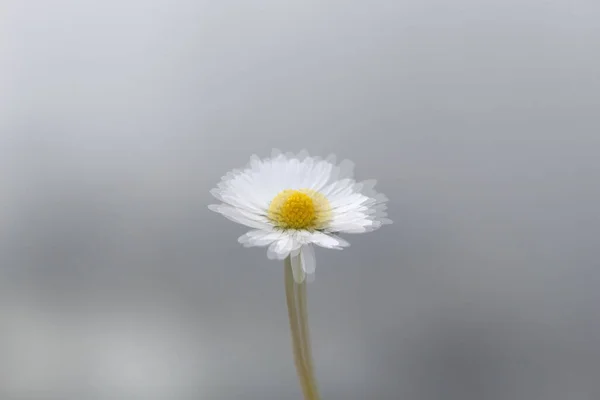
[305, 335]
[296, 303]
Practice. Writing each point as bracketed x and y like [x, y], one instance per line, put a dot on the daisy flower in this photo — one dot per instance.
[293, 202]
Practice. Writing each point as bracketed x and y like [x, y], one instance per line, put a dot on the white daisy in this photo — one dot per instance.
[294, 201]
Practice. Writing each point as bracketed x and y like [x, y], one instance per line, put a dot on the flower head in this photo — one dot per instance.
[294, 201]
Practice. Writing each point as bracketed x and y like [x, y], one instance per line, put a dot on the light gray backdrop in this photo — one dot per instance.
[478, 118]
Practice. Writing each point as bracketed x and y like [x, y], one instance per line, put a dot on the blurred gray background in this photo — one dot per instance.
[479, 119]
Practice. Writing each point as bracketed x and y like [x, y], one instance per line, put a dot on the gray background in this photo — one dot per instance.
[478, 118]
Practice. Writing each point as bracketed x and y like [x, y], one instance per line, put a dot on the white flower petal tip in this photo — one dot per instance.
[297, 269]
[307, 259]
[294, 201]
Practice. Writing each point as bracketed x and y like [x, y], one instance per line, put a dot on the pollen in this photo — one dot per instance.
[299, 209]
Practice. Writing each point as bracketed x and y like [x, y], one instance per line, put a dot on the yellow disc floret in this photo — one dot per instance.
[299, 209]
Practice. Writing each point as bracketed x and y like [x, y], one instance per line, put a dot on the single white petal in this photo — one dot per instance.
[297, 243]
[297, 270]
[255, 163]
[259, 238]
[307, 255]
[271, 253]
[275, 153]
[348, 228]
[346, 170]
[280, 248]
[328, 241]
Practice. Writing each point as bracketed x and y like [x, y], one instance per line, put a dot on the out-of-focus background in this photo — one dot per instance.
[479, 119]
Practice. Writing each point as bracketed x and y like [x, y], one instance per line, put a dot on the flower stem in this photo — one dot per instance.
[296, 303]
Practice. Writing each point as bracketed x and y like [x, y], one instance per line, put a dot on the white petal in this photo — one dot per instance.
[354, 217]
[353, 224]
[297, 271]
[271, 254]
[352, 200]
[307, 254]
[321, 175]
[349, 228]
[302, 155]
[255, 162]
[346, 170]
[259, 238]
[328, 241]
[245, 203]
[336, 187]
[275, 153]
[281, 248]
[241, 216]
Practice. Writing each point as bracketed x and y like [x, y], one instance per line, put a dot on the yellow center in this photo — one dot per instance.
[299, 209]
